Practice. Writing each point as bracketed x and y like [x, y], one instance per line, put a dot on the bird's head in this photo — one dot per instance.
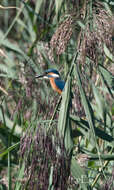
[50, 73]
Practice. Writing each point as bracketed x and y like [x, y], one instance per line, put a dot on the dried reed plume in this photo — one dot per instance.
[62, 36]
[39, 153]
[97, 33]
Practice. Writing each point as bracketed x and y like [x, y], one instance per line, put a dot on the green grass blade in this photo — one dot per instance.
[108, 157]
[9, 171]
[89, 113]
[58, 5]
[83, 126]
[108, 53]
[107, 76]
[37, 9]
[18, 185]
[9, 149]
[63, 122]
[79, 174]
[10, 124]
[14, 47]
[12, 24]
[87, 106]
[51, 179]
[100, 103]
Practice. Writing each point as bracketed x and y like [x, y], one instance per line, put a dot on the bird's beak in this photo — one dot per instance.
[40, 76]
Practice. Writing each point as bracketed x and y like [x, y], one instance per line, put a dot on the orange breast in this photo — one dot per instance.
[54, 86]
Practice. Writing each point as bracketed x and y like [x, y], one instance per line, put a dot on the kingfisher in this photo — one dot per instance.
[55, 80]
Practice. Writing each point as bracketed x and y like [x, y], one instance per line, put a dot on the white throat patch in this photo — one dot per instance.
[55, 75]
[45, 77]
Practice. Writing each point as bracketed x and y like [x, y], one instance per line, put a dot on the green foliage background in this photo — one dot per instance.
[77, 38]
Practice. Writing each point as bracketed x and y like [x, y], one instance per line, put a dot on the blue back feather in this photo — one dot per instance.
[59, 83]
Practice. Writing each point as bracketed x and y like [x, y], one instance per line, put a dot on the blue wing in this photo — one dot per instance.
[59, 83]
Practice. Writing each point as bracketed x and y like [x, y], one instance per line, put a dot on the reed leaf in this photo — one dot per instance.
[63, 121]
[107, 76]
[101, 107]
[87, 107]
